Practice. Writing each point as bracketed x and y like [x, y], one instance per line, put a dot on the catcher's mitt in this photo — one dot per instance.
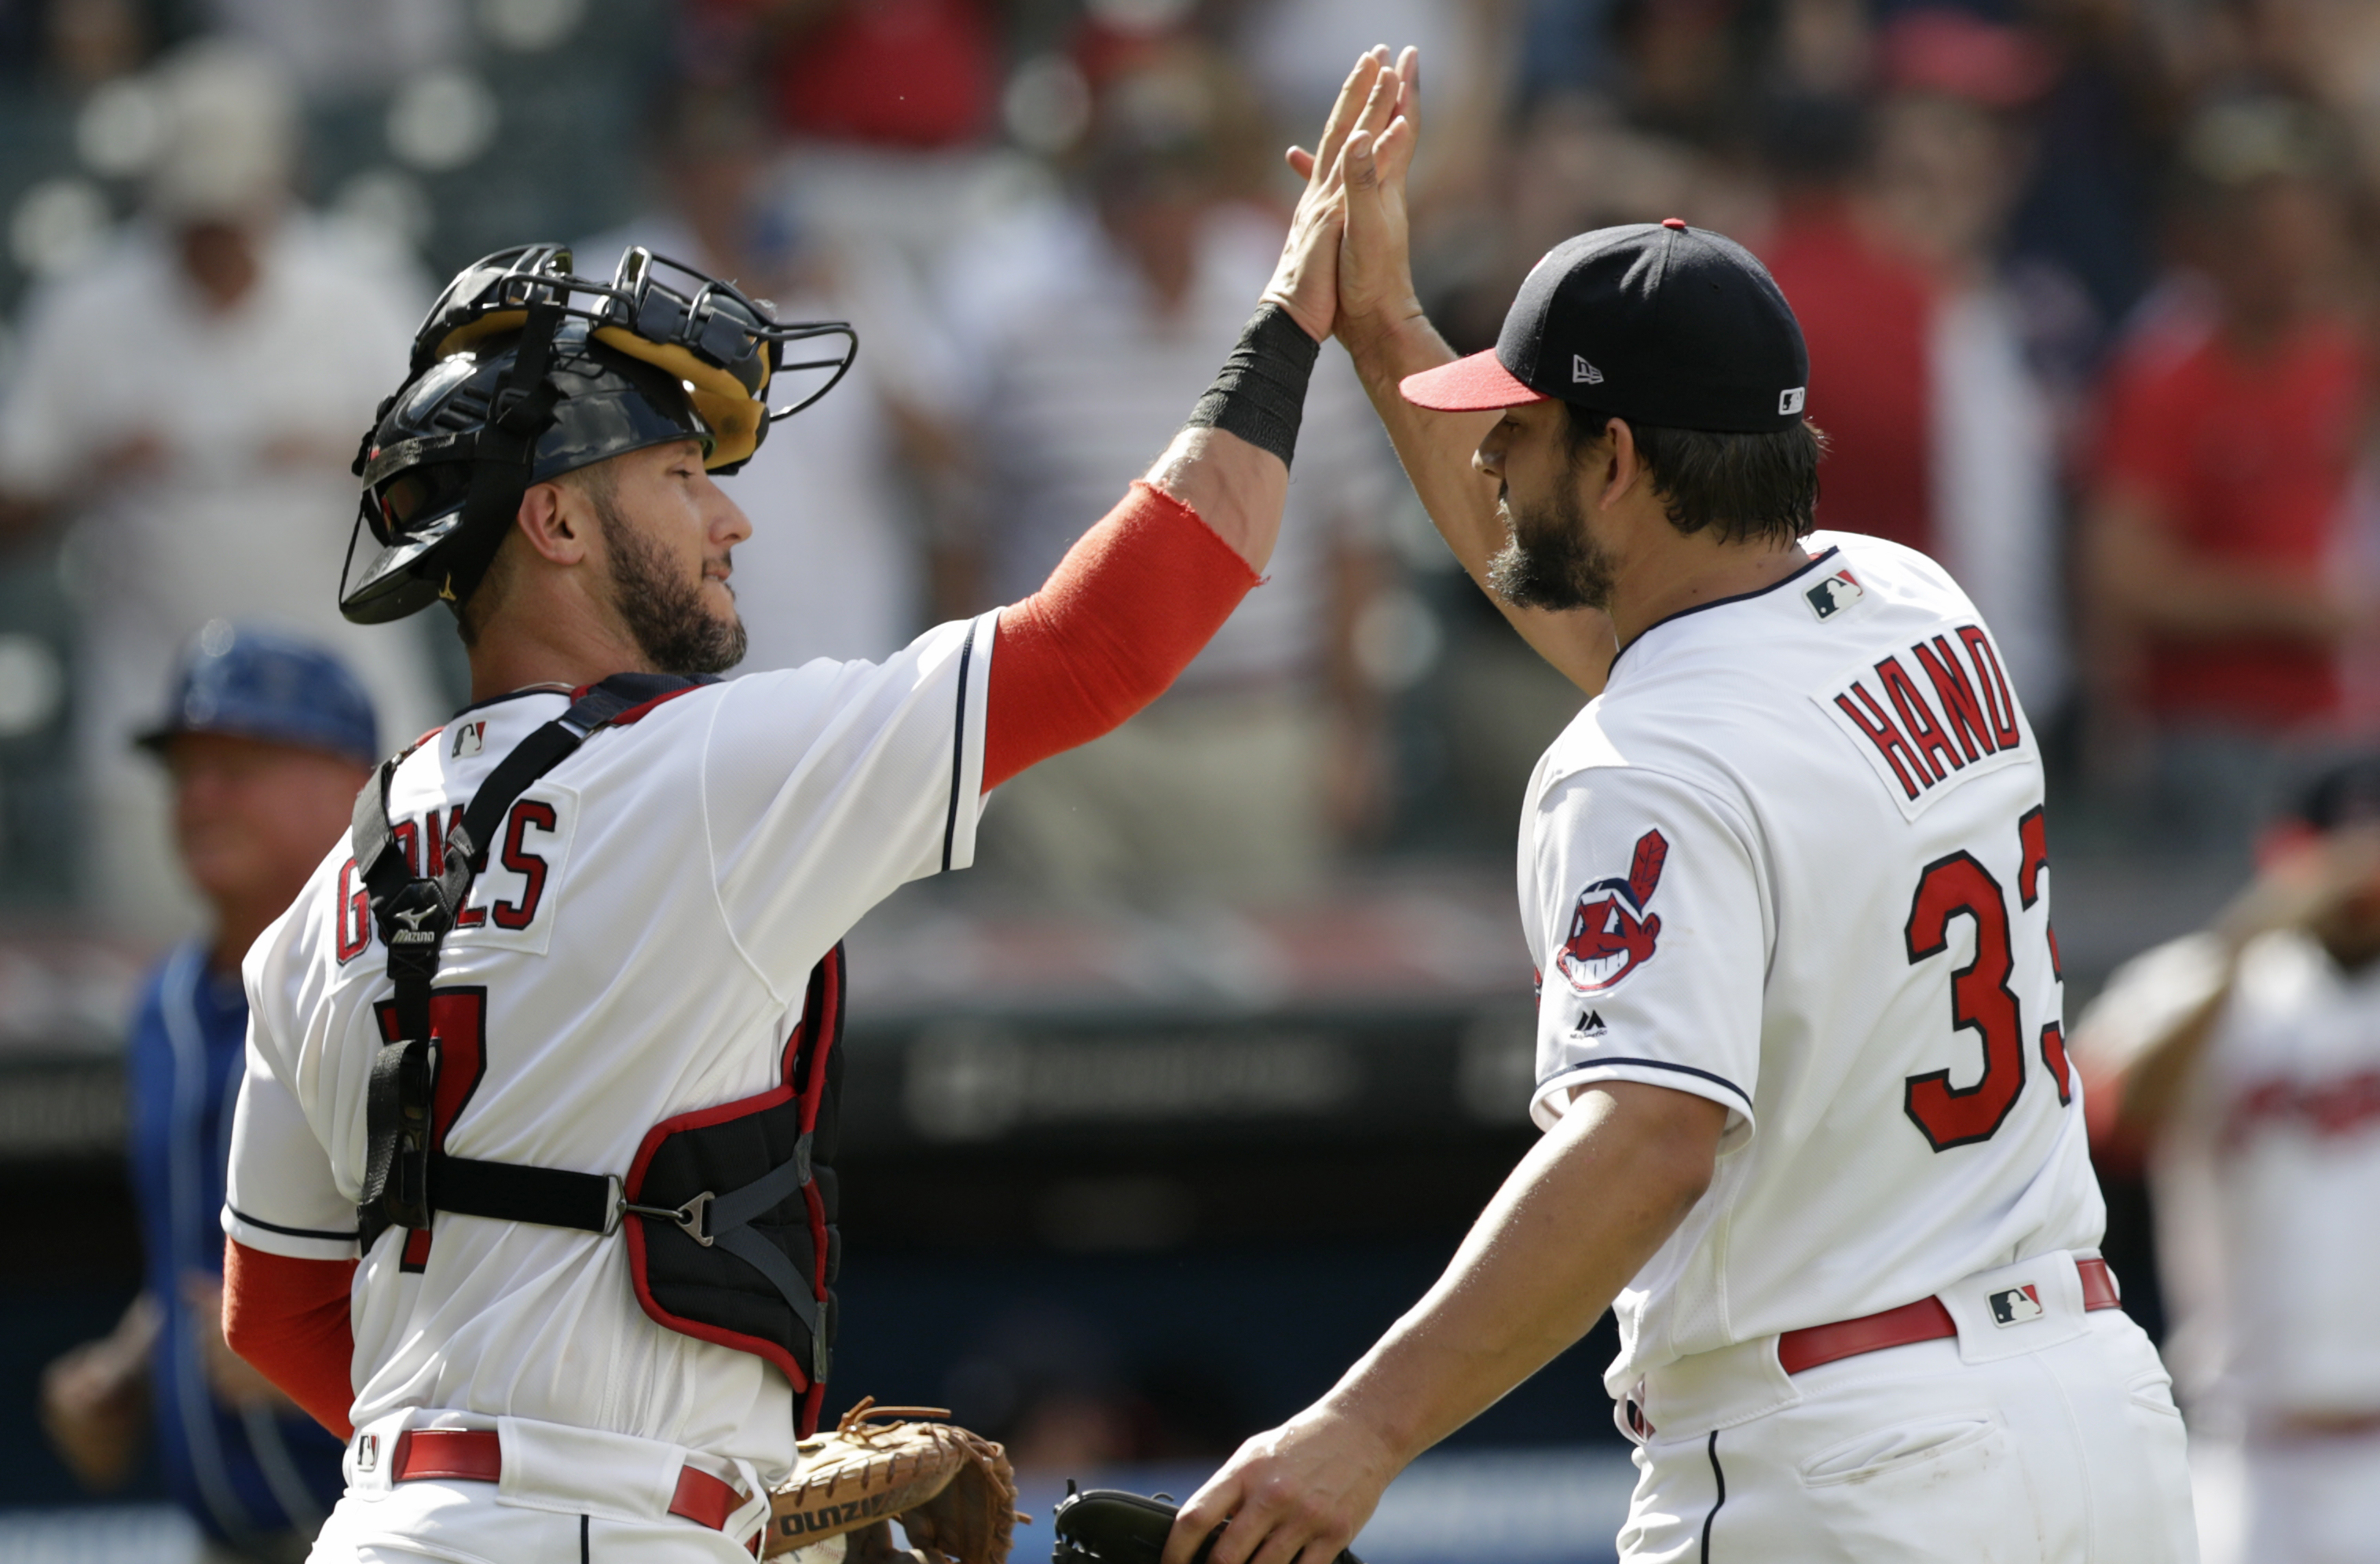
[952, 1492]
[1109, 1526]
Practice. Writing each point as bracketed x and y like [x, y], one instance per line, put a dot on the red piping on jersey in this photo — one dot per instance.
[290, 1319]
[1133, 601]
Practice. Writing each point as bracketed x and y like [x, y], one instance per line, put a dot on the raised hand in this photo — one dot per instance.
[1306, 282]
[1375, 289]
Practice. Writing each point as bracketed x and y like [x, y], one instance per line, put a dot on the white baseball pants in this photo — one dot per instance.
[2066, 1453]
[568, 1495]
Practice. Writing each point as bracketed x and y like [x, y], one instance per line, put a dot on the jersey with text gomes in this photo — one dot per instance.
[1792, 860]
[637, 947]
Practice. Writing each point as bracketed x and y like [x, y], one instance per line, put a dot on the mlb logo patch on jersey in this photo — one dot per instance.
[2015, 1305]
[1611, 933]
[470, 738]
[1834, 594]
[367, 1452]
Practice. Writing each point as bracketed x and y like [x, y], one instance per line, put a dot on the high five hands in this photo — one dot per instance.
[1309, 1487]
[1345, 267]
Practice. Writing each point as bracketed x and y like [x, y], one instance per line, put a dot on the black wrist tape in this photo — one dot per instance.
[1260, 393]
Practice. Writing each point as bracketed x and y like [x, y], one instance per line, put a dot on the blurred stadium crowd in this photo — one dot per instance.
[2087, 285]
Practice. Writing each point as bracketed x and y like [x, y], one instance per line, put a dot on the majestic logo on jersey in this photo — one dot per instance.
[1833, 595]
[1611, 933]
[2016, 1304]
[1929, 718]
[1590, 1022]
[1583, 373]
[470, 738]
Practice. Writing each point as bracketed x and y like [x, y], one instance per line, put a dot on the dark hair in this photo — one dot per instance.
[1745, 486]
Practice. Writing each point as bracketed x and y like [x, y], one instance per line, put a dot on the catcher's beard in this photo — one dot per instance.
[663, 612]
[1548, 559]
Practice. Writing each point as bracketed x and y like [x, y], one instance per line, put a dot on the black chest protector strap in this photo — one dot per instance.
[414, 915]
[736, 1240]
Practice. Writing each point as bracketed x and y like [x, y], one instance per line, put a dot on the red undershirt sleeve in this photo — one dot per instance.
[1133, 601]
[289, 1319]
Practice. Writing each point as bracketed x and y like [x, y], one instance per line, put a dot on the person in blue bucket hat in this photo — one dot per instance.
[267, 739]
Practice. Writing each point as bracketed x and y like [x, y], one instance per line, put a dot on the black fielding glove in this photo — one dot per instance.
[1260, 393]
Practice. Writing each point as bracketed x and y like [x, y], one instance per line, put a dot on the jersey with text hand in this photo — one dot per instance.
[1792, 860]
[640, 945]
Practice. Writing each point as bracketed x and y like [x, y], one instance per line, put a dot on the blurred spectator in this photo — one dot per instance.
[191, 402]
[915, 74]
[338, 47]
[833, 566]
[1092, 327]
[2234, 420]
[267, 740]
[1945, 172]
[2246, 1060]
[1866, 310]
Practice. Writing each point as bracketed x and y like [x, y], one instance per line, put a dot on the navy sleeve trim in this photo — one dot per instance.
[1648, 1064]
[958, 750]
[347, 1237]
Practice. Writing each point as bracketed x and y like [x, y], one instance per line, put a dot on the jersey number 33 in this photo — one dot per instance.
[1981, 999]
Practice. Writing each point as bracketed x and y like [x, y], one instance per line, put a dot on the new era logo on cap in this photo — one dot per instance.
[1583, 373]
[2015, 1305]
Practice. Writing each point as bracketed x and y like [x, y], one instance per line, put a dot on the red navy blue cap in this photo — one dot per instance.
[1667, 324]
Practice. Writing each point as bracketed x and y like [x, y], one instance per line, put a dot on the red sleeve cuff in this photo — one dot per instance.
[290, 1319]
[1135, 599]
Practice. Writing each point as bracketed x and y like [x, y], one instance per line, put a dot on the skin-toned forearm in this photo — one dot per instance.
[1581, 1213]
[2138, 571]
[1237, 489]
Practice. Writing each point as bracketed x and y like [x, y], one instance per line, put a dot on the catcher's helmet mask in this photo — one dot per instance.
[524, 371]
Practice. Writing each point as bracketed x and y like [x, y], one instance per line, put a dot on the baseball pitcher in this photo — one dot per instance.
[1810, 1126]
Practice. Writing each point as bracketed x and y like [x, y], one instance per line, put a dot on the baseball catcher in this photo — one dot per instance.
[532, 1194]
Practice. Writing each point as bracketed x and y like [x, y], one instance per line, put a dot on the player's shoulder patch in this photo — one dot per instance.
[1835, 594]
[1928, 716]
[1611, 931]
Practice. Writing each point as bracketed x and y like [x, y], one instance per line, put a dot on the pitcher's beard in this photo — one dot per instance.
[663, 612]
[1548, 559]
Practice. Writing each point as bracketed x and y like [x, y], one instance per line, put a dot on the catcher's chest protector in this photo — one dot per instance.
[735, 1237]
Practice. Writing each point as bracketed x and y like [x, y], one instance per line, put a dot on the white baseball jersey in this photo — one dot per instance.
[643, 933]
[1792, 860]
[2267, 1180]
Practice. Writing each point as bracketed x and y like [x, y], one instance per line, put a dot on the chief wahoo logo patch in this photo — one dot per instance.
[1611, 933]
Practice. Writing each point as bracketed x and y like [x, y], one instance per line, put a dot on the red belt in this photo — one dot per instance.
[1926, 1320]
[476, 1455]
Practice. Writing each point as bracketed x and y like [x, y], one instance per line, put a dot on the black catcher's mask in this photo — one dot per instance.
[524, 371]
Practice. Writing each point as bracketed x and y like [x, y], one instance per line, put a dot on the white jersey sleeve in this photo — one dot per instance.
[281, 1195]
[815, 807]
[1650, 937]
